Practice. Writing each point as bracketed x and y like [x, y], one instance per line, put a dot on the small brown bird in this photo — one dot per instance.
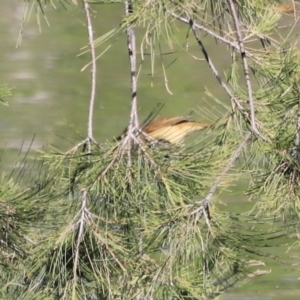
[285, 8]
[172, 130]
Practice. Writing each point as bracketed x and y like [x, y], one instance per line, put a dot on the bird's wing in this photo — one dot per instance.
[175, 132]
[163, 122]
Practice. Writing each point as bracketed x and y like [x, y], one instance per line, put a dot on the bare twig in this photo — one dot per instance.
[72, 150]
[90, 137]
[215, 71]
[79, 238]
[204, 203]
[164, 70]
[297, 135]
[246, 69]
[209, 32]
[133, 121]
[103, 172]
[295, 151]
[133, 125]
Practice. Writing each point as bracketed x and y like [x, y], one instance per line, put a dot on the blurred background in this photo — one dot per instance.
[51, 94]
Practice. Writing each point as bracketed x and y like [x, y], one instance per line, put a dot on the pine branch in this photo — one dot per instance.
[79, 239]
[297, 136]
[215, 71]
[211, 33]
[246, 70]
[93, 74]
[295, 150]
[204, 203]
[90, 137]
[131, 44]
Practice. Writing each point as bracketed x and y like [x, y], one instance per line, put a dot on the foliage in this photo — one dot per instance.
[18, 214]
[134, 220]
[108, 230]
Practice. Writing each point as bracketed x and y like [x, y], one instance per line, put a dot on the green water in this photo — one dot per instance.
[51, 95]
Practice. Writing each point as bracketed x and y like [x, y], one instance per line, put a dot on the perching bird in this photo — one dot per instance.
[285, 8]
[172, 130]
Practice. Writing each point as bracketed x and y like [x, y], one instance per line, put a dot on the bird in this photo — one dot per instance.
[285, 8]
[171, 129]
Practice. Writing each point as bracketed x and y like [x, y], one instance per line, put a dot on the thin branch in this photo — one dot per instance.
[295, 151]
[263, 39]
[164, 70]
[103, 172]
[246, 69]
[131, 44]
[72, 150]
[79, 239]
[209, 32]
[90, 138]
[215, 71]
[93, 73]
[206, 201]
[133, 119]
[297, 136]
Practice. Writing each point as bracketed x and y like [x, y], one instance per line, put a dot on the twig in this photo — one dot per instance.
[103, 172]
[164, 70]
[297, 135]
[246, 69]
[206, 201]
[295, 151]
[133, 121]
[90, 137]
[72, 150]
[215, 71]
[79, 238]
[209, 32]
[263, 39]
